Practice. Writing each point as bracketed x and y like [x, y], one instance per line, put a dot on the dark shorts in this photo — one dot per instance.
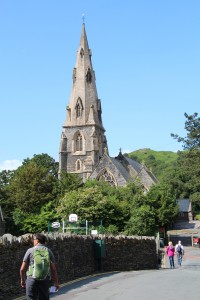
[37, 289]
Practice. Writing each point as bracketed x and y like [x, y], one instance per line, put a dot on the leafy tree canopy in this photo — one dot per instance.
[68, 182]
[184, 179]
[44, 161]
[31, 187]
[163, 200]
[35, 222]
[192, 126]
[142, 221]
[5, 177]
[96, 200]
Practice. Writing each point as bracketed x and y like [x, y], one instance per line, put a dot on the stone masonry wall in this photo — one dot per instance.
[76, 256]
[127, 253]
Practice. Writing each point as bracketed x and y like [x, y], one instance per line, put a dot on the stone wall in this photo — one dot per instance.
[127, 253]
[76, 256]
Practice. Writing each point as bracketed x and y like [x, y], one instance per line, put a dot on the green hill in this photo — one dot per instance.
[158, 162]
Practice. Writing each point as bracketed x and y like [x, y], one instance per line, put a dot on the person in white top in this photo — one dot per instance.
[179, 249]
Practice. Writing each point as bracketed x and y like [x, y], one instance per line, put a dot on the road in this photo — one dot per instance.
[181, 282]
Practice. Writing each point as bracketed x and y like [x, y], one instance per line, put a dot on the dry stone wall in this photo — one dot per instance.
[128, 253]
[76, 256]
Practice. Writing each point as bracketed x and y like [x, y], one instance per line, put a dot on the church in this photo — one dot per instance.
[83, 145]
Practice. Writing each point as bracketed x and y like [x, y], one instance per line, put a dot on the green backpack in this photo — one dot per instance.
[40, 268]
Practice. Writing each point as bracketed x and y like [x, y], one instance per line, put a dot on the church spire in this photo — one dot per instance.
[83, 130]
[83, 40]
[84, 91]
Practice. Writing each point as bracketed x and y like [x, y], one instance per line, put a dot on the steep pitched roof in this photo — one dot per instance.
[120, 168]
[184, 205]
[124, 170]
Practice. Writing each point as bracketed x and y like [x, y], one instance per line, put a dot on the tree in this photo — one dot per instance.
[5, 177]
[5, 201]
[45, 161]
[195, 199]
[32, 187]
[26, 192]
[192, 126]
[68, 182]
[142, 221]
[95, 201]
[29, 195]
[186, 180]
[35, 222]
[162, 199]
[149, 212]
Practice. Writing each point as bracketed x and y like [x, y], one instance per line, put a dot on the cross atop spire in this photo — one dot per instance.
[83, 18]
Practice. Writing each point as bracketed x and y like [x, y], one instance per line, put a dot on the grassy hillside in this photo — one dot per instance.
[158, 162]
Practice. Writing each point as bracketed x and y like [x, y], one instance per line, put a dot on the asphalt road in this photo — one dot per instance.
[182, 282]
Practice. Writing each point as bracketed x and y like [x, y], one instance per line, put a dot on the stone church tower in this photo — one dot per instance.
[83, 139]
[83, 146]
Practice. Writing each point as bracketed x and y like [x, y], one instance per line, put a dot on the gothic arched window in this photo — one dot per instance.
[88, 75]
[78, 165]
[81, 52]
[79, 142]
[107, 176]
[79, 108]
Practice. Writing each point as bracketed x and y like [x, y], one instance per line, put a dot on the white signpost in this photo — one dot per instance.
[94, 232]
[73, 218]
[55, 225]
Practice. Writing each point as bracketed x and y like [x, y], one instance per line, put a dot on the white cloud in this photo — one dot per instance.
[10, 164]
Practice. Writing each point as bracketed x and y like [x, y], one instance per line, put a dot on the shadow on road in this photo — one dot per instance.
[80, 282]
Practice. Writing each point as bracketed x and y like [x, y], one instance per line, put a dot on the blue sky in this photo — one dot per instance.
[145, 55]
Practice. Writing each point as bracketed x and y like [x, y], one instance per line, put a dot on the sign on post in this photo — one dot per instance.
[73, 218]
[55, 225]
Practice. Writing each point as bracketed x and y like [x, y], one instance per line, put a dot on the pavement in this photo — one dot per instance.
[165, 283]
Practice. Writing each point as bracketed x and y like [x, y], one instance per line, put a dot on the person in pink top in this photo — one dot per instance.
[170, 252]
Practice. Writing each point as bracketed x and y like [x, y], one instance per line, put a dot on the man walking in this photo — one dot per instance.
[39, 262]
[179, 249]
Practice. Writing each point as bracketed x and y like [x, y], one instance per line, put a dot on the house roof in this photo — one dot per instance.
[184, 205]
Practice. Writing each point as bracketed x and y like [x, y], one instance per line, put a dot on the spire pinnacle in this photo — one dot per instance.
[83, 18]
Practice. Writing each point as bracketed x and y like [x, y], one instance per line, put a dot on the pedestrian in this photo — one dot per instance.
[39, 262]
[179, 249]
[170, 252]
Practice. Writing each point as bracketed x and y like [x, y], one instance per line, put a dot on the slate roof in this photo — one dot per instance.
[121, 168]
[137, 167]
[131, 169]
[124, 170]
[184, 205]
